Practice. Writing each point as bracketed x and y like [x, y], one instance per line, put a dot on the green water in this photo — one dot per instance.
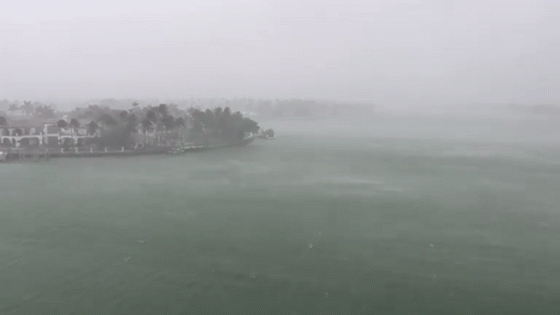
[299, 225]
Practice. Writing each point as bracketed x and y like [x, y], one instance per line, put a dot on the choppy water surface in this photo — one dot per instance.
[333, 210]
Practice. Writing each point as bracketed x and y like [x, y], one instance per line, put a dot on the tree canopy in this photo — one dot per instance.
[74, 123]
[220, 125]
[62, 124]
[160, 124]
[92, 128]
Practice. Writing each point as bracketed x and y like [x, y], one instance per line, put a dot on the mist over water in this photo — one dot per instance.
[437, 195]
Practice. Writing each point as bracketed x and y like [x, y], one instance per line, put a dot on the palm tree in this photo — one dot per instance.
[208, 119]
[123, 114]
[162, 109]
[18, 132]
[45, 111]
[107, 120]
[146, 127]
[27, 108]
[13, 107]
[152, 116]
[75, 124]
[62, 124]
[132, 123]
[92, 128]
[180, 122]
[168, 122]
[218, 112]
[39, 111]
[173, 109]
[134, 108]
[269, 133]
[249, 125]
[190, 111]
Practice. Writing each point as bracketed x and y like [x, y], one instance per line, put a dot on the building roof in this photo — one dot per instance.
[29, 122]
[21, 126]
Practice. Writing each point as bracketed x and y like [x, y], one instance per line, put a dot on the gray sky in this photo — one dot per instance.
[397, 52]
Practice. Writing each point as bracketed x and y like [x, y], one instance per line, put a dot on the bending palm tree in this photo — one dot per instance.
[74, 124]
[62, 124]
[92, 128]
[146, 127]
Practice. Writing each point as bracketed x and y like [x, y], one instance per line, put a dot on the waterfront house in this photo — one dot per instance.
[25, 133]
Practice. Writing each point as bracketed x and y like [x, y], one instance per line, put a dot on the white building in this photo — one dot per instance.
[48, 134]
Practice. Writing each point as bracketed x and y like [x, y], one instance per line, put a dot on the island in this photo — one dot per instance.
[103, 131]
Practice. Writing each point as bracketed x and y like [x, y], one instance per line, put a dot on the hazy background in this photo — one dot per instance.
[394, 53]
[349, 211]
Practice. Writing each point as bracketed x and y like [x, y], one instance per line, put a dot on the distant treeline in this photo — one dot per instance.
[27, 109]
[539, 109]
[264, 108]
[303, 108]
[268, 108]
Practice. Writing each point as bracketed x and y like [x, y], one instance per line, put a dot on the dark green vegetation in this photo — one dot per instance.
[28, 109]
[269, 133]
[219, 126]
[163, 125]
[159, 125]
[407, 226]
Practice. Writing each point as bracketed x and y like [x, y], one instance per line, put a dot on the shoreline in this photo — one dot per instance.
[197, 148]
[20, 155]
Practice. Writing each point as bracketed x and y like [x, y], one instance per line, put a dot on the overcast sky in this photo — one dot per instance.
[393, 52]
